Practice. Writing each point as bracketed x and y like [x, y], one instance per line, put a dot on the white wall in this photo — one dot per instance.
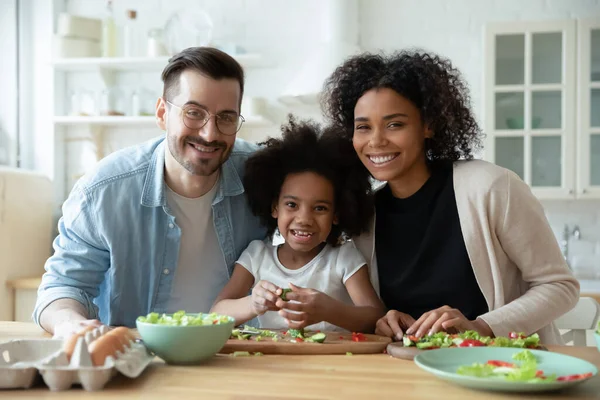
[455, 28]
[285, 32]
[8, 83]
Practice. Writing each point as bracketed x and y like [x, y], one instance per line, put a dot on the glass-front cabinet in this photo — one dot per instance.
[530, 97]
[588, 116]
[542, 104]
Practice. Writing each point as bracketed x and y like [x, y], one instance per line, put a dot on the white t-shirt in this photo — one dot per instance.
[327, 273]
[201, 272]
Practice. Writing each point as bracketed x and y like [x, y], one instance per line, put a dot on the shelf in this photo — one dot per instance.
[135, 63]
[106, 120]
[110, 63]
[251, 121]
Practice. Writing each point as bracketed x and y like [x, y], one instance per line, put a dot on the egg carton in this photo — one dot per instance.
[23, 361]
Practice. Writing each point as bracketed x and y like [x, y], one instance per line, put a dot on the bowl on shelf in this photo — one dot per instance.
[517, 122]
[182, 338]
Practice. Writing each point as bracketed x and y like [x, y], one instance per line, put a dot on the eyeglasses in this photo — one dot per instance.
[194, 117]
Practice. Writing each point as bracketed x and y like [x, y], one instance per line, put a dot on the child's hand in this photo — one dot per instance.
[264, 296]
[309, 306]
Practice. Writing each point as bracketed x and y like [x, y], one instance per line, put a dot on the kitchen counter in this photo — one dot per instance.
[376, 376]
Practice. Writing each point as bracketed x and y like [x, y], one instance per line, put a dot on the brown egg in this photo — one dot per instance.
[122, 334]
[103, 347]
[70, 343]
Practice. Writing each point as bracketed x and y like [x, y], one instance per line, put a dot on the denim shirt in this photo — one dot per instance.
[118, 243]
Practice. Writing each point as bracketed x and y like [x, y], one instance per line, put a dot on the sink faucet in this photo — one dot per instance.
[564, 243]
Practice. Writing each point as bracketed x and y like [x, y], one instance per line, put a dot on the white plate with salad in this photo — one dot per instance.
[506, 369]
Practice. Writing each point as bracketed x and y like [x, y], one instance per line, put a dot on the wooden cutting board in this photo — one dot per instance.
[335, 343]
[398, 350]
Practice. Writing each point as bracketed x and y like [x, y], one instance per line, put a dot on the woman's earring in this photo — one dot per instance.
[428, 145]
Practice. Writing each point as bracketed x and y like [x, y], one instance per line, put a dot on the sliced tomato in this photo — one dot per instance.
[358, 337]
[539, 374]
[299, 339]
[498, 363]
[574, 377]
[471, 343]
[413, 338]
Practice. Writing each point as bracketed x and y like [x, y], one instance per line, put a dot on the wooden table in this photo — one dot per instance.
[289, 377]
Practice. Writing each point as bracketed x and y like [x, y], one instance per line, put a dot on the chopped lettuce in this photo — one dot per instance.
[525, 372]
[477, 370]
[524, 355]
[180, 318]
[500, 341]
[443, 339]
[261, 332]
[598, 328]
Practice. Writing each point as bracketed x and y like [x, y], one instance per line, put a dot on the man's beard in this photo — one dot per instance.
[205, 167]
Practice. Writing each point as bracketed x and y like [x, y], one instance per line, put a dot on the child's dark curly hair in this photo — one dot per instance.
[305, 147]
[430, 82]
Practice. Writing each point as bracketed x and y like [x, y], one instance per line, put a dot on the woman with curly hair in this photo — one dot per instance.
[309, 188]
[457, 244]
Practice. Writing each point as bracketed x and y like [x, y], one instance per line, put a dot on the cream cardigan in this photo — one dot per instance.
[515, 257]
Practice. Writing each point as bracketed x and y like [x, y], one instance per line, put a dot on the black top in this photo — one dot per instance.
[421, 255]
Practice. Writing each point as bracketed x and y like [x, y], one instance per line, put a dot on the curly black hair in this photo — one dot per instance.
[305, 147]
[429, 81]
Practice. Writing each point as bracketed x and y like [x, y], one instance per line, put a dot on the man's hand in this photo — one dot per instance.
[304, 307]
[66, 329]
[393, 324]
[447, 319]
[63, 317]
[264, 296]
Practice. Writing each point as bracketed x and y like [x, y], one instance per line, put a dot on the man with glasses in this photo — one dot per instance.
[158, 226]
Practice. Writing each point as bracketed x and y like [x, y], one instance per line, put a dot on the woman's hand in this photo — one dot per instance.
[393, 324]
[264, 296]
[446, 319]
[304, 307]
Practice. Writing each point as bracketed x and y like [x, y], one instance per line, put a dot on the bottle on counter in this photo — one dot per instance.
[109, 32]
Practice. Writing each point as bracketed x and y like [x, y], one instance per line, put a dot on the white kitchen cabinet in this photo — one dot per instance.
[588, 118]
[538, 116]
[530, 94]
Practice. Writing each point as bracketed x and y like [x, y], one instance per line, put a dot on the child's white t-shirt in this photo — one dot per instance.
[327, 273]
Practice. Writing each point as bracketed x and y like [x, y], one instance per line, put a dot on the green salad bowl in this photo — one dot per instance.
[185, 344]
